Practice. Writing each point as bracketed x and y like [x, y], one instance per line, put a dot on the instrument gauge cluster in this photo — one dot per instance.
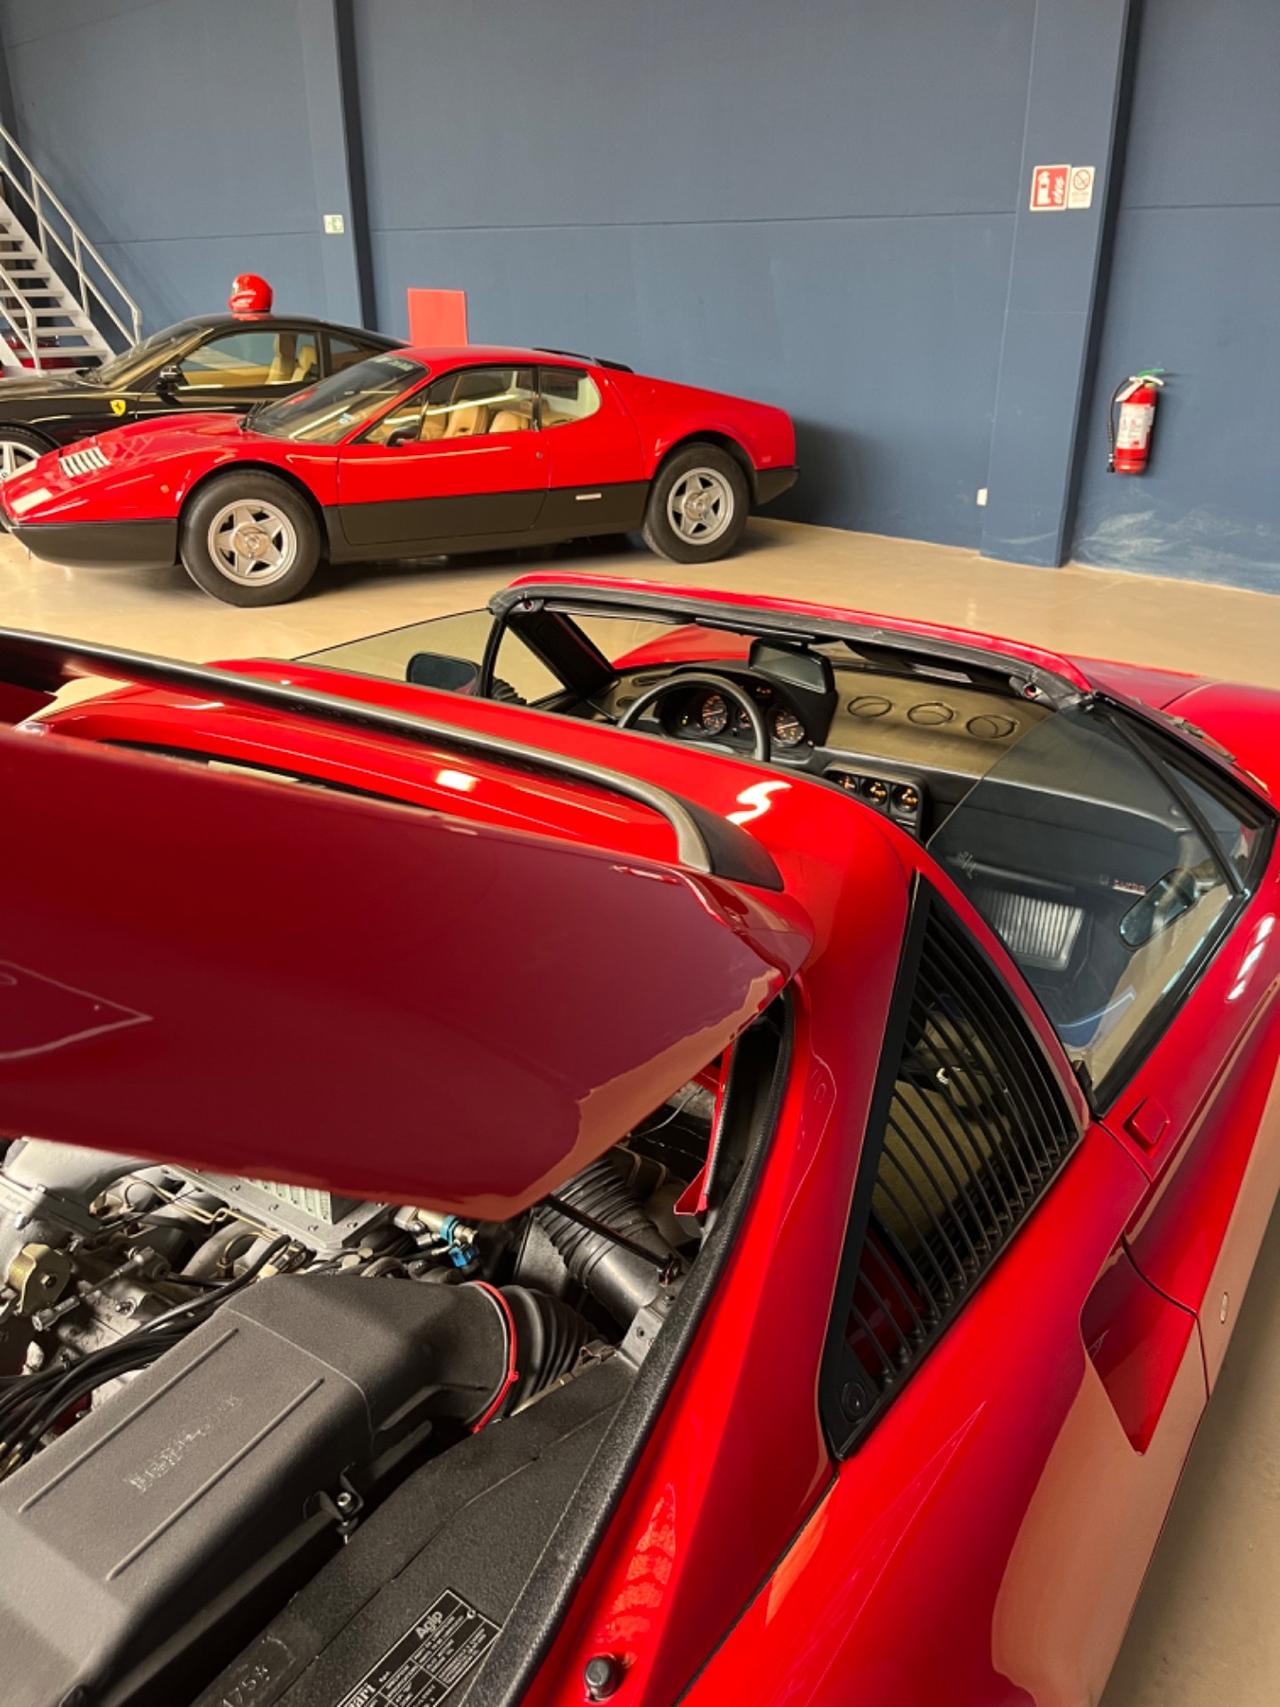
[713, 715]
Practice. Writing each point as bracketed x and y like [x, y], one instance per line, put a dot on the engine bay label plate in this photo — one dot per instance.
[435, 1653]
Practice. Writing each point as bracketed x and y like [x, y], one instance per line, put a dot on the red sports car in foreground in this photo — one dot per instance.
[407, 455]
[716, 1143]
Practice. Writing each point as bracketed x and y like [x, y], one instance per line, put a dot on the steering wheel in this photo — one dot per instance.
[762, 748]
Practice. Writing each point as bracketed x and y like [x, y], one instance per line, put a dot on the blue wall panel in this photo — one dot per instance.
[1195, 287]
[800, 202]
[176, 133]
[817, 202]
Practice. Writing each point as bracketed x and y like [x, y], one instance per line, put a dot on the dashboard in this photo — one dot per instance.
[907, 745]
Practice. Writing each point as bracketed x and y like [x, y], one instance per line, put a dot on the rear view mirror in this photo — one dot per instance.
[438, 670]
[1166, 900]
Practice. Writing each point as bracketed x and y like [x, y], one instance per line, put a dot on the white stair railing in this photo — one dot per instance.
[55, 230]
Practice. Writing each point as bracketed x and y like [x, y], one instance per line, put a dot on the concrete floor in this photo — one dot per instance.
[1206, 1633]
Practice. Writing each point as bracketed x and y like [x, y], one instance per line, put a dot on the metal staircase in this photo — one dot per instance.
[60, 303]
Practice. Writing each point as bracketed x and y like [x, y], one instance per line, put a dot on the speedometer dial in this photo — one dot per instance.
[788, 731]
[713, 714]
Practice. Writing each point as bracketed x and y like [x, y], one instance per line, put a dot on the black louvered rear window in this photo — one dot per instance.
[968, 1127]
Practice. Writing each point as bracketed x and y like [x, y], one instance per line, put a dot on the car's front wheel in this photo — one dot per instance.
[698, 506]
[250, 539]
[18, 450]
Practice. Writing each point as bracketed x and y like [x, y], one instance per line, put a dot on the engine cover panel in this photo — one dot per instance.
[171, 1504]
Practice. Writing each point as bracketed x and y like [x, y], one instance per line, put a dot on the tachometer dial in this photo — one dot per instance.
[788, 731]
[713, 714]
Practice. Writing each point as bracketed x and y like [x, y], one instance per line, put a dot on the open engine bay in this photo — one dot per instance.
[209, 1384]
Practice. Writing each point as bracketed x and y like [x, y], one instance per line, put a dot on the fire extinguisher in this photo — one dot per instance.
[1129, 438]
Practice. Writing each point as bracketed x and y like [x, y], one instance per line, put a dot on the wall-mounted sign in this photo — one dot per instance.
[334, 225]
[1049, 188]
[1054, 188]
[1080, 186]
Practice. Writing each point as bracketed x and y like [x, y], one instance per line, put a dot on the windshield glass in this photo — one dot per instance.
[150, 352]
[1094, 873]
[465, 635]
[329, 410]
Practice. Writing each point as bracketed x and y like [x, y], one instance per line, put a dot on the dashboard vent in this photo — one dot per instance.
[87, 460]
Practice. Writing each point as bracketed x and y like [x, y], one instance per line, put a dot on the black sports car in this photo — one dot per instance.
[214, 361]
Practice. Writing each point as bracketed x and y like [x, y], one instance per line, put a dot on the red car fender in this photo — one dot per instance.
[665, 414]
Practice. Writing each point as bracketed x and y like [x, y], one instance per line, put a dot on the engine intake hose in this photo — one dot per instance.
[623, 1280]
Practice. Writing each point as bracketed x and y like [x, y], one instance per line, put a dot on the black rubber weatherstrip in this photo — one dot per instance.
[1057, 691]
[535, 1619]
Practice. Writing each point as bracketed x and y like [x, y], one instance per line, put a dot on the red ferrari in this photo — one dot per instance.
[639, 1145]
[412, 454]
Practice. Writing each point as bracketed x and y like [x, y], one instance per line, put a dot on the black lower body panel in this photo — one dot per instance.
[450, 527]
[585, 510]
[771, 483]
[424, 1585]
[101, 545]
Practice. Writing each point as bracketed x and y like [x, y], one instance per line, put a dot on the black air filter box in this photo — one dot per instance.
[150, 1523]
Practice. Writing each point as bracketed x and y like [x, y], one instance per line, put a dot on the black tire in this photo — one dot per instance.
[277, 520]
[724, 485]
[23, 442]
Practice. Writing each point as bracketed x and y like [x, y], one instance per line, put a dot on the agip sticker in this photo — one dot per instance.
[435, 1653]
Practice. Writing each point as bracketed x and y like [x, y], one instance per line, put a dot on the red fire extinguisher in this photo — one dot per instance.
[1129, 438]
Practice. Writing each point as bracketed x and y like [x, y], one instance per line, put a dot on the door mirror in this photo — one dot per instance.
[406, 435]
[169, 378]
[438, 670]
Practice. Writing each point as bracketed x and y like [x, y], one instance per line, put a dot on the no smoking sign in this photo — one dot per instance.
[1055, 188]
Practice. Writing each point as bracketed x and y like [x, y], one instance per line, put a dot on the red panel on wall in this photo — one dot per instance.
[437, 316]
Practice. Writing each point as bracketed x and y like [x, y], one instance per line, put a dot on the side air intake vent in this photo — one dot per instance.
[968, 1129]
[85, 461]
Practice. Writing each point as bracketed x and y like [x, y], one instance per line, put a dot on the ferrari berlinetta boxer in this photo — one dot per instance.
[412, 453]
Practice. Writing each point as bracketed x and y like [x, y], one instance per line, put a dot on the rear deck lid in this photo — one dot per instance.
[273, 979]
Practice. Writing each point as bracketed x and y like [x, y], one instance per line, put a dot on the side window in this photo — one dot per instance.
[967, 1129]
[566, 394]
[1084, 859]
[240, 360]
[480, 401]
[1235, 823]
[345, 353]
[401, 425]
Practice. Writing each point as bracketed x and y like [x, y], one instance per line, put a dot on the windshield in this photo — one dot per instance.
[151, 351]
[334, 407]
[465, 635]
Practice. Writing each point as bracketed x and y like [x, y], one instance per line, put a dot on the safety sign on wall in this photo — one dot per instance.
[1054, 188]
[1062, 186]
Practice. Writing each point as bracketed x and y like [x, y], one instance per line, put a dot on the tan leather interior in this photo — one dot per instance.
[467, 421]
[289, 364]
[511, 421]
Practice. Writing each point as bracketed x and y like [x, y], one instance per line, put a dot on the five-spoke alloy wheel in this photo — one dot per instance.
[250, 539]
[698, 505]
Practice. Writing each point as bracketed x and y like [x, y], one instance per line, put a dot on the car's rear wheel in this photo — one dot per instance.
[250, 539]
[18, 450]
[698, 506]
